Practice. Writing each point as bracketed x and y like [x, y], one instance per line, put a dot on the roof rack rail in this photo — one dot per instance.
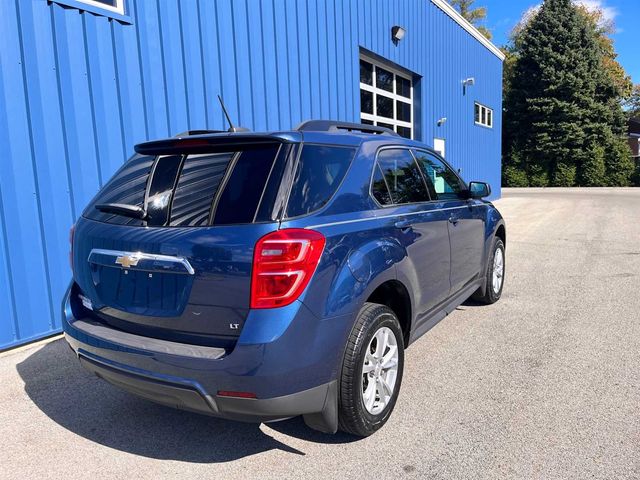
[335, 126]
[188, 133]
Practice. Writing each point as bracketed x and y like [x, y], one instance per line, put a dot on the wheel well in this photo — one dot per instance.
[394, 295]
[501, 233]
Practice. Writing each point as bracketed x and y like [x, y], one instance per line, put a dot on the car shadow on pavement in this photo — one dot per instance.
[97, 411]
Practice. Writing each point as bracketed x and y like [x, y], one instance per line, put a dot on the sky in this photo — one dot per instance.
[503, 15]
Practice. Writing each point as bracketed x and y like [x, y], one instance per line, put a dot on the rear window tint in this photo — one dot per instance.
[127, 186]
[319, 173]
[196, 190]
[163, 181]
[239, 201]
[197, 186]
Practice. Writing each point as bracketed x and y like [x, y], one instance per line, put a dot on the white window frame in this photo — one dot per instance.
[484, 117]
[119, 8]
[393, 95]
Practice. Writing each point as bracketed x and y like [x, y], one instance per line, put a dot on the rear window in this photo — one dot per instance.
[127, 186]
[196, 189]
[319, 172]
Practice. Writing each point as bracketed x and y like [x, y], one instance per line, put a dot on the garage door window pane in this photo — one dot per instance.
[366, 72]
[403, 87]
[366, 102]
[384, 79]
[403, 111]
[404, 132]
[385, 106]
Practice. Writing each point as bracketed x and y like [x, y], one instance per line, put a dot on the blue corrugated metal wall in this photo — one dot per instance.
[78, 90]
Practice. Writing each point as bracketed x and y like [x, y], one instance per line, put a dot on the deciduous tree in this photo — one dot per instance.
[474, 15]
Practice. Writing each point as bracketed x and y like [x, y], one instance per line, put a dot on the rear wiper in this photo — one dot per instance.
[123, 209]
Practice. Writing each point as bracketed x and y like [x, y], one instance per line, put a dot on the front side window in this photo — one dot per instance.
[386, 97]
[397, 179]
[442, 181]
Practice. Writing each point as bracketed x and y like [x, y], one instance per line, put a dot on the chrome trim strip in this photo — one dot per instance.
[144, 256]
[395, 215]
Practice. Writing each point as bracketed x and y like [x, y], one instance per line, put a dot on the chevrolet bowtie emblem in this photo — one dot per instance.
[127, 261]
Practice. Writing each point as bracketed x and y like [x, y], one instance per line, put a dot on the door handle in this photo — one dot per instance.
[454, 220]
[403, 224]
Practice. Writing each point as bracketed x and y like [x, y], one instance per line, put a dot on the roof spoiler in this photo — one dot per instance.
[335, 126]
[206, 144]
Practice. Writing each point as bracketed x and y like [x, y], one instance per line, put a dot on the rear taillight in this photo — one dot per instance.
[72, 232]
[283, 263]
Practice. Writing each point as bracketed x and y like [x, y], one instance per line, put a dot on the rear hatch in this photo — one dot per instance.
[165, 249]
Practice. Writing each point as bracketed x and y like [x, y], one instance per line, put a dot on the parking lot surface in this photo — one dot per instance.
[543, 384]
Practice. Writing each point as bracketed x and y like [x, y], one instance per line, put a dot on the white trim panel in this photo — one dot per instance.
[460, 20]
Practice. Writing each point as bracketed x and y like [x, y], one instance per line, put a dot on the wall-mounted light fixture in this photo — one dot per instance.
[467, 82]
[397, 34]
[442, 121]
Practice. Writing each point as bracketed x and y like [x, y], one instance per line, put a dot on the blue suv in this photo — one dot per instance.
[258, 277]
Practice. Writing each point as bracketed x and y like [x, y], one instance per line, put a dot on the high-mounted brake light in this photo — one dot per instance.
[283, 263]
[72, 232]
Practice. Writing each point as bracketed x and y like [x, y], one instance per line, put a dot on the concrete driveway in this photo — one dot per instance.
[544, 384]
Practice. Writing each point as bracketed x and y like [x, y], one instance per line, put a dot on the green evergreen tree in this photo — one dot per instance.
[618, 162]
[562, 99]
[593, 169]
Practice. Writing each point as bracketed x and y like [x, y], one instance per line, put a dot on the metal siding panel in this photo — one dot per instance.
[24, 256]
[304, 65]
[76, 105]
[315, 69]
[226, 50]
[295, 106]
[56, 214]
[321, 82]
[152, 68]
[243, 71]
[177, 98]
[131, 101]
[211, 57]
[103, 88]
[332, 58]
[271, 78]
[257, 90]
[194, 80]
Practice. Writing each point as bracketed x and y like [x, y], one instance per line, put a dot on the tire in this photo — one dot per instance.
[496, 261]
[375, 322]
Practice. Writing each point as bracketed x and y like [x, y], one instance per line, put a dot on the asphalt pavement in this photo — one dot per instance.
[544, 384]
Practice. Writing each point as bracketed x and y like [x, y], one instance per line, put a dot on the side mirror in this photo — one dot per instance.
[479, 190]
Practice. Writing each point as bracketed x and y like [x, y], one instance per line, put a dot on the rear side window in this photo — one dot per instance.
[397, 179]
[226, 187]
[319, 172]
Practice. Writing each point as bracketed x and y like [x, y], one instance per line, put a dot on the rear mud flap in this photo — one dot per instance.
[326, 421]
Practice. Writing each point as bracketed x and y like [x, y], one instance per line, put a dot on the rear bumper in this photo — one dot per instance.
[294, 374]
[186, 396]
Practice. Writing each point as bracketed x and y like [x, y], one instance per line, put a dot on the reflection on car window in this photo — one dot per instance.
[443, 182]
[320, 171]
[403, 180]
